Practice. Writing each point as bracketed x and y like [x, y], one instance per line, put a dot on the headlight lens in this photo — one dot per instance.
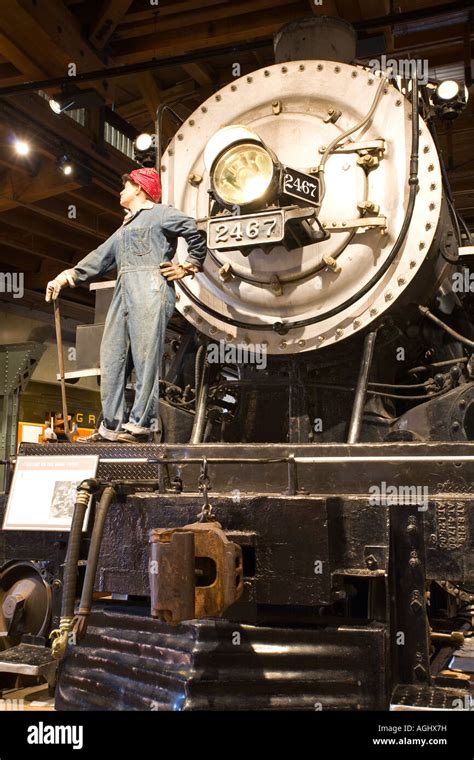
[243, 174]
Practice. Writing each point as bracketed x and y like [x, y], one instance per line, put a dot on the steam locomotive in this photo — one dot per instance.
[303, 525]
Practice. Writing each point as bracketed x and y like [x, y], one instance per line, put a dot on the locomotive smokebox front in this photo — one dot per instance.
[300, 173]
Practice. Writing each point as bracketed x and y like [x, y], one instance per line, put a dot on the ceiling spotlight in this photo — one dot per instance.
[65, 165]
[72, 100]
[55, 106]
[21, 147]
[144, 141]
[144, 150]
[449, 99]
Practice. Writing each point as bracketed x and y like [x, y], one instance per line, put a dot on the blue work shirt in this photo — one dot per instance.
[145, 240]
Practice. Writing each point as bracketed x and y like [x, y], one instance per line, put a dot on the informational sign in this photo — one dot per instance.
[43, 491]
[305, 187]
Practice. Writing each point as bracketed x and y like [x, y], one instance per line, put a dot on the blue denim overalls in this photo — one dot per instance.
[141, 307]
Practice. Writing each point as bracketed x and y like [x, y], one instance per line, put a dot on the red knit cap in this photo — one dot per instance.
[149, 181]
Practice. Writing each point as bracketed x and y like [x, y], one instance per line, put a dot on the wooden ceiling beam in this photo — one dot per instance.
[37, 247]
[375, 9]
[51, 35]
[203, 15]
[185, 6]
[56, 209]
[16, 189]
[326, 8]
[152, 97]
[97, 200]
[22, 60]
[171, 94]
[247, 28]
[110, 15]
[37, 117]
[57, 232]
[199, 73]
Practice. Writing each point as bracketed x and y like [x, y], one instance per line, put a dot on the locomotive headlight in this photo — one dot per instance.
[242, 169]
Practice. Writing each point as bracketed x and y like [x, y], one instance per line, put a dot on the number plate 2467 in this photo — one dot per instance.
[237, 231]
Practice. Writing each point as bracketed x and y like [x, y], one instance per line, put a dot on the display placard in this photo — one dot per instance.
[43, 491]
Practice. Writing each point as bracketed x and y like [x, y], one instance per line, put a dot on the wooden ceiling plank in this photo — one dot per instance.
[151, 94]
[41, 117]
[57, 232]
[15, 53]
[199, 73]
[376, 9]
[169, 10]
[52, 35]
[110, 15]
[201, 16]
[225, 32]
[97, 200]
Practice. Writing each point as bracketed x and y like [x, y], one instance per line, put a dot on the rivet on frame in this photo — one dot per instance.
[428, 226]
[171, 152]
[163, 167]
[401, 281]
[302, 343]
[191, 122]
[373, 312]
[338, 332]
[430, 167]
[212, 330]
[356, 323]
[426, 149]
[432, 186]
[233, 87]
[321, 338]
[284, 69]
[398, 102]
[337, 69]
[229, 337]
[388, 296]
[370, 81]
[266, 73]
[432, 206]
[249, 79]
[218, 97]
[320, 67]
[186, 309]
[301, 67]
[412, 264]
[204, 109]
[282, 344]
[198, 320]
[354, 74]
[180, 137]
[421, 245]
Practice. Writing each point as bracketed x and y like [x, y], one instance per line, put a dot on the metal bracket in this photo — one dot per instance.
[368, 146]
[364, 224]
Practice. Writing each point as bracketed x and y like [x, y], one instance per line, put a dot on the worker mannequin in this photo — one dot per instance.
[142, 304]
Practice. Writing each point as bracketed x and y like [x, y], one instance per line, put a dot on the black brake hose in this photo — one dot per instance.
[413, 182]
